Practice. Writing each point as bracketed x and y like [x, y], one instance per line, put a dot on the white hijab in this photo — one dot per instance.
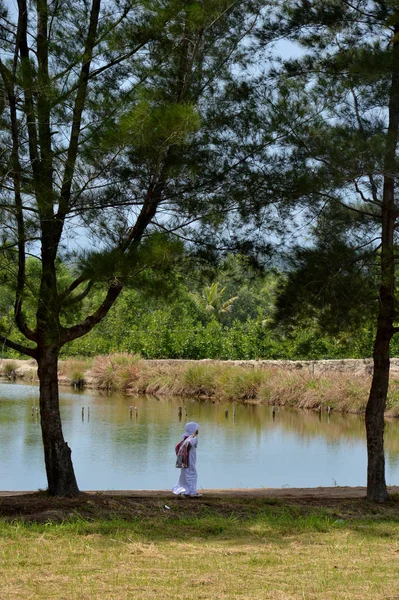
[190, 428]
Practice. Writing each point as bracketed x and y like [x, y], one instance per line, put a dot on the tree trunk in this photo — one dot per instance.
[376, 485]
[57, 454]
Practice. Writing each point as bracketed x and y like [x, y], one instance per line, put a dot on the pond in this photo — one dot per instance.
[248, 447]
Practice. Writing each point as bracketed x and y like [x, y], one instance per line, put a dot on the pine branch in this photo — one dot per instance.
[28, 86]
[8, 82]
[80, 296]
[77, 331]
[78, 112]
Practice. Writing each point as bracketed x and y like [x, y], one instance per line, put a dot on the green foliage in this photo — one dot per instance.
[330, 284]
[169, 322]
[214, 300]
[161, 318]
[142, 265]
[152, 127]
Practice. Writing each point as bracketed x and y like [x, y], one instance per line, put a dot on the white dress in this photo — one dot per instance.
[187, 483]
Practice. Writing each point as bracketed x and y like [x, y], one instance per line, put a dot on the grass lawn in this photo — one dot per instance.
[245, 548]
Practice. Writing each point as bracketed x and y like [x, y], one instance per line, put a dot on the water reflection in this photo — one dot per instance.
[121, 442]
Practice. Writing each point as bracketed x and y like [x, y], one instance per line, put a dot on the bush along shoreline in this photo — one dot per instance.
[332, 385]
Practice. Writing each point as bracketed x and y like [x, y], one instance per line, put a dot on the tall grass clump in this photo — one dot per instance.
[341, 391]
[283, 387]
[223, 381]
[241, 384]
[8, 368]
[75, 370]
[116, 372]
[160, 378]
[393, 398]
[200, 380]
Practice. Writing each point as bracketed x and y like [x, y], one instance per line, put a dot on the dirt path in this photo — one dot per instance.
[342, 502]
[319, 492]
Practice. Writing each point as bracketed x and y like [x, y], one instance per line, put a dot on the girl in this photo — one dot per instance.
[187, 457]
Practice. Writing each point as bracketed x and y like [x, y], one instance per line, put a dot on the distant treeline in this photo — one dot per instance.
[198, 310]
[226, 312]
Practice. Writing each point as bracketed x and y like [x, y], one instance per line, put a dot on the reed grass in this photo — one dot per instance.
[200, 380]
[236, 382]
[8, 368]
[220, 381]
[242, 384]
[74, 370]
[276, 554]
[115, 372]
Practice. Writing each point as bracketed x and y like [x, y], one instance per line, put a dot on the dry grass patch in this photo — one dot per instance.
[223, 381]
[276, 553]
[74, 371]
[340, 391]
[160, 378]
[115, 372]
[8, 368]
[393, 398]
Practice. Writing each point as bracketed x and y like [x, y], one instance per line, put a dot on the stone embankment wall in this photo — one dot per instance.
[316, 367]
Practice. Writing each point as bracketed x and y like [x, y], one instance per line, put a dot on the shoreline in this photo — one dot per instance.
[340, 385]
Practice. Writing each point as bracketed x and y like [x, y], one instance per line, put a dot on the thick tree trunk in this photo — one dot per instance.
[376, 485]
[57, 454]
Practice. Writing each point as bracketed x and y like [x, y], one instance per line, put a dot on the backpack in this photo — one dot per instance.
[178, 446]
[182, 450]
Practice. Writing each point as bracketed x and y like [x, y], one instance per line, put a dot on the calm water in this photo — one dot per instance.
[110, 450]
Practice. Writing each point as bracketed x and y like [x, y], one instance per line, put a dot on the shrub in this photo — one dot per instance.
[8, 368]
[74, 370]
[115, 372]
[243, 384]
[200, 380]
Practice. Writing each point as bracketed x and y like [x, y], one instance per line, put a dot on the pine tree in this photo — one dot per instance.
[340, 106]
[115, 125]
